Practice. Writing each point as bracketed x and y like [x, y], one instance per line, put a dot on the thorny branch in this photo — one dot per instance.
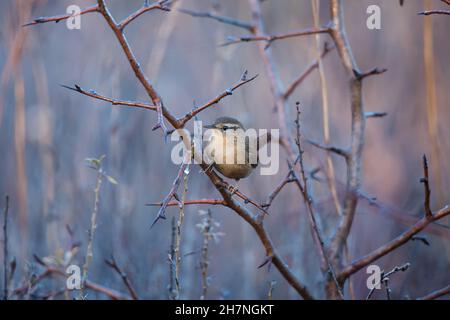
[172, 194]
[61, 17]
[113, 265]
[114, 102]
[163, 5]
[227, 92]
[271, 38]
[393, 244]
[327, 267]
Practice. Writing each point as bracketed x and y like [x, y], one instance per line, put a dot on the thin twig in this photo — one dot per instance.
[325, 262]
[271, 38]
[288, 179]
[204, 263]
[227, 20]
[61, 17]
[190, 202]
[95, 95]
[227, 92]
[113, 264]
[161, 5]
[436, 294]
[93, 226]
[299, 80]
[431, 12]
[171, 261]
[178, 235]
[385, 280]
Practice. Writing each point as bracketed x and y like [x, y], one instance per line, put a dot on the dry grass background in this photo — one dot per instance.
[46, 132]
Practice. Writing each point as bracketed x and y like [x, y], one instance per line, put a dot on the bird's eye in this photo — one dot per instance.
[225, 128]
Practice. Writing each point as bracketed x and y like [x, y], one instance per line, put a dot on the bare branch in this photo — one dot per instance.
[436, 294]
[95, 95]
[113, 264]
[227, 92]
[299, 80]
[171, 194]
[190, 202]
[160, 109]
[393, 244]
[288, 179]
[431, 12]
[57, 19]
[426, 185]
[160, 5]
[271, 38]
[227, 20]
[326, 265]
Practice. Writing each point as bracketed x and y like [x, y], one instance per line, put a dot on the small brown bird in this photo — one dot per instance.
[228, 141]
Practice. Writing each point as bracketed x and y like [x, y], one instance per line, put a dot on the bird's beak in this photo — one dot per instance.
[208, 126]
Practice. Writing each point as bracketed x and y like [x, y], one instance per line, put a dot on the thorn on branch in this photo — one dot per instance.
[372, 72]
[426, 185]
[170, 195]
[422, 239]
[336, 150]
[375, 114]
[268, 261]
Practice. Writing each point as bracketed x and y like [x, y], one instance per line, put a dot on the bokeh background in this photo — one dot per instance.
[47, 131]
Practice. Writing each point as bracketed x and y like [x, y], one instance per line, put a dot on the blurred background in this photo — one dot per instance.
[47, 131]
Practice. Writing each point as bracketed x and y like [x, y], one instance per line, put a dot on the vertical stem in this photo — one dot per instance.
[205, 257]
[5, 249]
[177, 250]
[331, 178]
[90, 250]
[19, 143]
[172, 292]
